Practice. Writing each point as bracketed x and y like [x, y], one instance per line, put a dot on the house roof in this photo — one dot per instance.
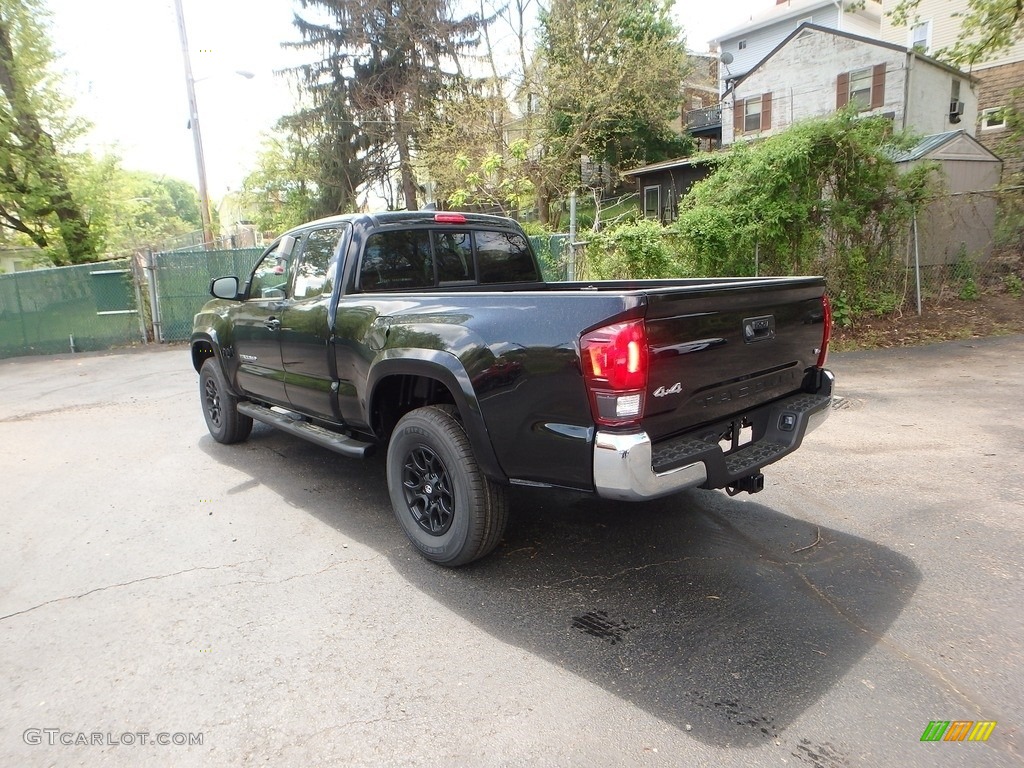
[849, 36]
[951, 145]
[792, 10]
[665, 165]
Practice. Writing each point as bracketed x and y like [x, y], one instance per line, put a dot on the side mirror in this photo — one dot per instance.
[224, 287]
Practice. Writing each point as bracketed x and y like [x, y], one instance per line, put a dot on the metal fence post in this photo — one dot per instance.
[154, 296]
[571, 268]
[917, 264]
[136, 279]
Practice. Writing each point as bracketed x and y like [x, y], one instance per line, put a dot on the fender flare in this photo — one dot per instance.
[447, 369]
[209, 336]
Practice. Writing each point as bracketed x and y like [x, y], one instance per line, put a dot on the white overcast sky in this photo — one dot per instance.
[125, 71]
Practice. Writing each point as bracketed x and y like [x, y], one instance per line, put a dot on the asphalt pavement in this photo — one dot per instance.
[258, 603]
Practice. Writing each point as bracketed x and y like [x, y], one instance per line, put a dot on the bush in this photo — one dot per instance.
[632, 251]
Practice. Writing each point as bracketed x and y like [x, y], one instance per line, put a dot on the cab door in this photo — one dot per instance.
[257, 324]
[305, 335]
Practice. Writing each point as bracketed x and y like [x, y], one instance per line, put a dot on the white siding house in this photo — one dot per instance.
[938, 22]
[751, 42]
[815, 71]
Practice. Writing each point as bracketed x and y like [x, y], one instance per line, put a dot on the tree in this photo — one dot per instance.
[987, 28]
[36, 198]
[281, 192]
[611, 82]
[383, 65]
[129, 210]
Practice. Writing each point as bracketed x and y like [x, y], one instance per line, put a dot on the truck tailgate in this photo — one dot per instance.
[737, 345]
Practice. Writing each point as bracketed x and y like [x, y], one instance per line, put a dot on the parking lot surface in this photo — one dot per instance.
[258, 604]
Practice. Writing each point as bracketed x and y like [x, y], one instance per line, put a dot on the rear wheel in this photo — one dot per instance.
[220, 406]
[449, 510]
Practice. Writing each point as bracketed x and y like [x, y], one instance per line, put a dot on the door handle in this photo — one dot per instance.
[272, 324]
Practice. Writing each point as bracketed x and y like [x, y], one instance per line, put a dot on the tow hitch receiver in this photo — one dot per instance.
[751, 484]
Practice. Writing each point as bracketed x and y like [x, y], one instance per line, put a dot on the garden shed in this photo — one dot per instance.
[662, 185]
[960, 222]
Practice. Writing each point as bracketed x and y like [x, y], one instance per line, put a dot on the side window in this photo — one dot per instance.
[393, 261]
[270, 277]
[311, 274]
[504, 257]
[454, 254]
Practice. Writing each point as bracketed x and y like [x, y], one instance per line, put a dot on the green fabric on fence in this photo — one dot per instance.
[44, 311]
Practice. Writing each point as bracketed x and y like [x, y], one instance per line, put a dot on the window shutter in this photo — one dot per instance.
[737, 116]
[878, 86]
[766, 111]
[842, 90]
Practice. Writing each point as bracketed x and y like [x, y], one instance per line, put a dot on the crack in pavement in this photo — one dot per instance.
[127, 584]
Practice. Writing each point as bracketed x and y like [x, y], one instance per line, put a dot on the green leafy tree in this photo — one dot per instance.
[987, 28]
[36, 197]
[130, 210]
[381, 67]
[824, 196]
[610, 84]
[281, 193]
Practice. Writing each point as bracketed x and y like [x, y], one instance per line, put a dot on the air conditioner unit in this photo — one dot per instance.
[956, 108]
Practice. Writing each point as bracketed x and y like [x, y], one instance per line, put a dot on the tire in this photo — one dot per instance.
[449, 510]
[220, 406]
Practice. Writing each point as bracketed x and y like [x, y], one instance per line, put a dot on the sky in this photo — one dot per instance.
[125, 70]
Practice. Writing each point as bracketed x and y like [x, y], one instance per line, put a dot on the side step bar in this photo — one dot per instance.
[325, 438]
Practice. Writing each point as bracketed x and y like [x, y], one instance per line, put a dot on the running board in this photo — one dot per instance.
[325, 438]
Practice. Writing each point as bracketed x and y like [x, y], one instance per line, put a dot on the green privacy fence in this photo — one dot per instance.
[81, 308]
[551, 252]
[182, 284]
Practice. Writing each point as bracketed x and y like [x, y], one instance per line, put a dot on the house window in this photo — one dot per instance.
[696, 102]
[863, 87]
[992, 118]
[860, 88]
[652, 202]
[742, 45]
[752, 114]
[919, 38]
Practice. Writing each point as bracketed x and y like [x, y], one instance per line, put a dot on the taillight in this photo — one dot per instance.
[826, 333]
[614, 362]
[449, 218]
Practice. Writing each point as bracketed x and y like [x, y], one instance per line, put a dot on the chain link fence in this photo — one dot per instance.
[180, 285]
[81, 308]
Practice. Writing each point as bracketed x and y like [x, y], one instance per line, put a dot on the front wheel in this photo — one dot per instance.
[449, 510]
[220, 406]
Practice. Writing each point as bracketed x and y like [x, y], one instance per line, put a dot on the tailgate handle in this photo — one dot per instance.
[758, 328]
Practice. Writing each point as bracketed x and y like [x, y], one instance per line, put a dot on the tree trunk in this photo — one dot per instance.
[405, 160]
[41, 155]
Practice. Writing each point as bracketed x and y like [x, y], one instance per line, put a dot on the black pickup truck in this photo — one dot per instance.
[434, 335]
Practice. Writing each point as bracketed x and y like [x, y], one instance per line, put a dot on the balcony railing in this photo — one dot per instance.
[709, 117]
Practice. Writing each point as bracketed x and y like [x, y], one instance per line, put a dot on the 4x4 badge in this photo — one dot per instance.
[675, 389]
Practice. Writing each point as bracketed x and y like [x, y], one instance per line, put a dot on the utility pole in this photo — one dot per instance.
[197, 137]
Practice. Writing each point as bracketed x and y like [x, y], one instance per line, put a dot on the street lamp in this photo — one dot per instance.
[197, 137]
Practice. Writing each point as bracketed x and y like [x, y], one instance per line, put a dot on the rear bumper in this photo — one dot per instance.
[629, 467]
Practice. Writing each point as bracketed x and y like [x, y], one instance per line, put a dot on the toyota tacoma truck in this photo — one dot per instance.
[434, 337]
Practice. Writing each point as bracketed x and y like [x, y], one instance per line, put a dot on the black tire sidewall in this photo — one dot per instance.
[229, 427]
[414, 431]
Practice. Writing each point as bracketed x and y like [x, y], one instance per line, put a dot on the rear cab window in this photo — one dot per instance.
[427, 258]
